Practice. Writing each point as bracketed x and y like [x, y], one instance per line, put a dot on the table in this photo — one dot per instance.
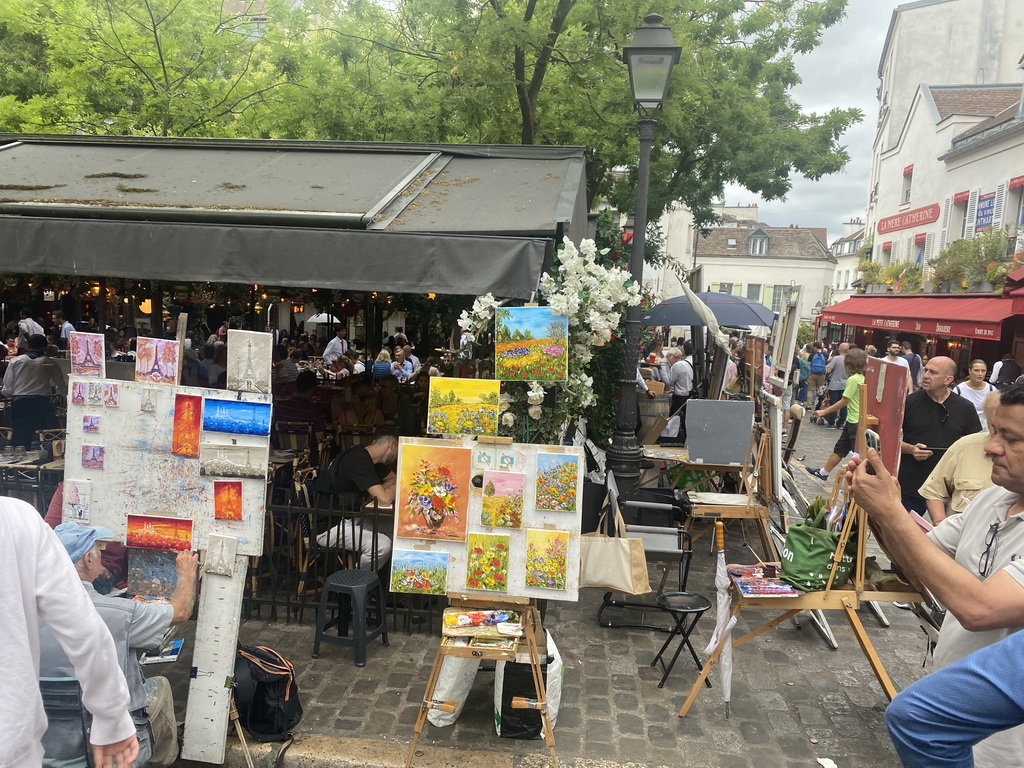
[681, 459]
[31, 478]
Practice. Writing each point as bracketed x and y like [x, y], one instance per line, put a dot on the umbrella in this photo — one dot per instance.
[707, 316]
[722, 636]
[322, 318]
[727, 309]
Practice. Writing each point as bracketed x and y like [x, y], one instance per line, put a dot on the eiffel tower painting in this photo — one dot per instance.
[87, 354]
[249, 361]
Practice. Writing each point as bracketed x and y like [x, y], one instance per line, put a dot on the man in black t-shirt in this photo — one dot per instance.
[364, 470]
[934, 419]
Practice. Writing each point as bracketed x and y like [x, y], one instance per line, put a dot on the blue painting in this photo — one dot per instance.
[237, 417]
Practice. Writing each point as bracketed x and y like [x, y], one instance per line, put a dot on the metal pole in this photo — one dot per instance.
[624, 455]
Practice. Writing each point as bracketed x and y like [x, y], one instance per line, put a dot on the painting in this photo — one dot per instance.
[227, 500]
[156, 360]
[188, 415]
[94, 395]
[88, 357]
[159, 532]
[90, 423]
[463, 406]
[111, 395]
[78, 392]
[530, 344]
[546, 553]
[419, 573]
[433, 492]
[220, 555]
[487, 562]
[220, 460]
[77, 501]
[503, 499]
[152, 572]
[149, 399]
[557, 476]
[92, 456]
[236, 417]
[249, 361]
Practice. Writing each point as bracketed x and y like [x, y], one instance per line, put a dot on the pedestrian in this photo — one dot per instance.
[836, 370]
[30, 381]
[1005, 371]
[934, 418]
[39, 583]
[914, 361]
[64, 330]
[28, 327]
[818, 363]
[975, 389]
[894, 354]
[856, 364]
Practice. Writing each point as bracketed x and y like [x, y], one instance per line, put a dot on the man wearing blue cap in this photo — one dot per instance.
[135, 627]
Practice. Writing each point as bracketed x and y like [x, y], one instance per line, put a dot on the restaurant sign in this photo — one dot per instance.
[913, 218]
[986, 210]
[955, 328]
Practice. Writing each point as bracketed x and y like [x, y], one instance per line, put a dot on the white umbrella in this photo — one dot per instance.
[705, 314]
[724, 620]
[322, 318]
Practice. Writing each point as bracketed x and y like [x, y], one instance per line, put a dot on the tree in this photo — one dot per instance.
[489, 489]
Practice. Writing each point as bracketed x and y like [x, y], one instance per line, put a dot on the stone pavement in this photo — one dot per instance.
[793, 698]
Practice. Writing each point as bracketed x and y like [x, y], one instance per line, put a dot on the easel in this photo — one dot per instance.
[844, 599]
[527, 607]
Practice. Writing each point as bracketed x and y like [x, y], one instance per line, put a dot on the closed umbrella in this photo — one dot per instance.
[707, 316]
[724, 620]
[727, 310]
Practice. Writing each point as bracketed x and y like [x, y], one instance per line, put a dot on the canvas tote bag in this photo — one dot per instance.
[615, 563]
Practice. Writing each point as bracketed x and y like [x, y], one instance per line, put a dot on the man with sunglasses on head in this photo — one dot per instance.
[973, 563]
[933, 420]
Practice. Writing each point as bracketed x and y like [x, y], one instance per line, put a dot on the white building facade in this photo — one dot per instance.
[845, 250]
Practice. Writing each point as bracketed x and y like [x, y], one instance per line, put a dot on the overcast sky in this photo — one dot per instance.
[839, 73]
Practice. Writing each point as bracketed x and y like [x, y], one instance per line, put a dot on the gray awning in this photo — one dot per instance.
[294, 257]
[358, 216]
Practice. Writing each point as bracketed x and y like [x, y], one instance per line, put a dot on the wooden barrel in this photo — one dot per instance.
[652, 408]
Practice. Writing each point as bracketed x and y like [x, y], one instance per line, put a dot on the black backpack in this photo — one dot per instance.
[266, 694]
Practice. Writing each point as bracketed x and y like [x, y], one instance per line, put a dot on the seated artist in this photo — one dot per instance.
[135, 627]
[362, 473]
[114, 555]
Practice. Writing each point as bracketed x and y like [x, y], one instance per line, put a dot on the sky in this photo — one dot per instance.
[841, 72]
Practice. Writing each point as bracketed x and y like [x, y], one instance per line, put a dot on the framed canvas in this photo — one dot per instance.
[433, 492]
[530, 344]
[463, 406]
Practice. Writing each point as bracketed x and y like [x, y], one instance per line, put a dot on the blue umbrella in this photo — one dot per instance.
[728, 310]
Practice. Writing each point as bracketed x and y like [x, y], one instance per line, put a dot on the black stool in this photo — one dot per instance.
[686, 608]
[354, 585]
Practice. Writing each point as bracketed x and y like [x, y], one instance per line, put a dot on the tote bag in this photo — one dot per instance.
[809, 551]
[615, 563]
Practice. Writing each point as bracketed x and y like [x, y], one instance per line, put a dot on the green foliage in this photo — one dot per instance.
[870, 271]
[489, 489]
[489, 398]
[964, 262]
[804, 335]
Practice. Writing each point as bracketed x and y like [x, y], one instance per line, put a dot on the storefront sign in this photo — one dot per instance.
[1016, 181]
[963, 197]
[958, 328]
[986, 209]
[913, 218]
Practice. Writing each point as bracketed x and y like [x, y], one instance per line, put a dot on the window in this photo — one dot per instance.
[725, 287]
[754, 291]
[780, 294]
[846, 279]
[730, 243]
[758, 246]
[908, 180]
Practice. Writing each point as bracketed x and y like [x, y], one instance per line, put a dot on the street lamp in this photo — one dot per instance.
[650, 58]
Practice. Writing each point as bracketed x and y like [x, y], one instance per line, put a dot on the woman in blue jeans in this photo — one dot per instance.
[936, 721]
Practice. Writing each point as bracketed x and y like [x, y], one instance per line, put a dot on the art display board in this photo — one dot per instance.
[521, 554]
[135, 464]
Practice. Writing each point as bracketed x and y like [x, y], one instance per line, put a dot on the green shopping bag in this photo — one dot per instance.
[809, 551]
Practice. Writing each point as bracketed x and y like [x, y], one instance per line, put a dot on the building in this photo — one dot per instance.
[846, 252]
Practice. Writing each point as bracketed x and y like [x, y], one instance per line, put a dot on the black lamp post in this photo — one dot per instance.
[650, 58]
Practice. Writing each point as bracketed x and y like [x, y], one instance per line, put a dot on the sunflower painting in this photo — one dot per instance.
[546, 558]
[463, 406]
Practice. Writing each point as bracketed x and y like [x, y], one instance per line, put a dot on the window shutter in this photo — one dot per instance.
[928, 243]
[1000, 203]
[910, 249]
[737, 289]
[972, 212]
[945, 223]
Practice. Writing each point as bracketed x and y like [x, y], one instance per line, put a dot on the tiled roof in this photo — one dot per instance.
[1003, 117]
[979, 101]
[783, 243]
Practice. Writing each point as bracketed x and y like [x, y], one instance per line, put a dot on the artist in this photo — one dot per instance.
[362, 473]
[135, 627]
[973, 563]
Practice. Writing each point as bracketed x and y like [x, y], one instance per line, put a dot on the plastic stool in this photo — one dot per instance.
[684, 607]
[355, 585]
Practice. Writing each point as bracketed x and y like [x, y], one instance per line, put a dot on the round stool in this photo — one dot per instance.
[686, 608]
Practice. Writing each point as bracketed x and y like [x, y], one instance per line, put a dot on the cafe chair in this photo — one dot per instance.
[293, 435]
[686, 609]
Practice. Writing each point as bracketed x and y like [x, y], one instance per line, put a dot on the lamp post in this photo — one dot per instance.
[650, 58]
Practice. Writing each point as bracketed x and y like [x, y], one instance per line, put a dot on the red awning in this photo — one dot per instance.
[967, 316]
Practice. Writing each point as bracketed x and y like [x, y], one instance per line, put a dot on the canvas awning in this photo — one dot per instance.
[353, 216]
[966, 316]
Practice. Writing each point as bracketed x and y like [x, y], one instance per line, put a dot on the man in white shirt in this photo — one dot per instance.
[65, 329]
[39, 582]
[679, 380]
[416, 365]
[27, 327]
[30, 380]
[894, 354]
[337, 346]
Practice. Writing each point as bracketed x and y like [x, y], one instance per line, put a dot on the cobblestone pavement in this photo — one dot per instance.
[793, 698]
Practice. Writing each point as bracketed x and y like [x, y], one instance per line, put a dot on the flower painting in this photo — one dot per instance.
[433, 492]
[156, 360]
[227, 499]
[557, 476]
[531, 344]
[419, 573]
[487, 562]
[463, 406]
[188, 412]
[503, 499]
[546, 558]
[157, 532]
[87, 354]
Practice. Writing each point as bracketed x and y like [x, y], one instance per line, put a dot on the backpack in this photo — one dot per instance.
[266, 694]
[805, 370]
[817, 363]
[1009, 371]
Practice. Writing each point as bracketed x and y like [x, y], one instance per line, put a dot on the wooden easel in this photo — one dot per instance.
[845, 599]
[527, 607]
